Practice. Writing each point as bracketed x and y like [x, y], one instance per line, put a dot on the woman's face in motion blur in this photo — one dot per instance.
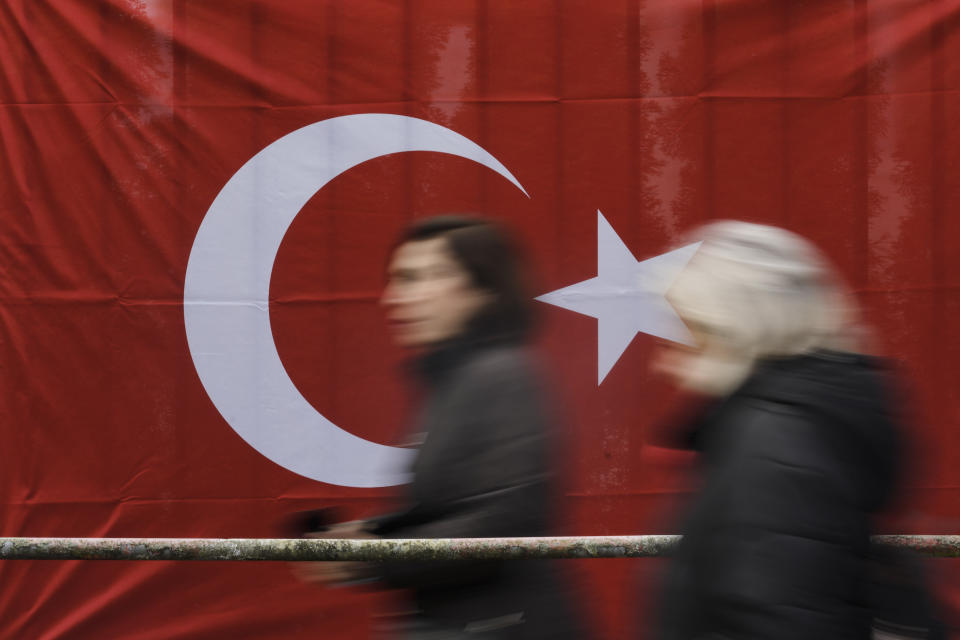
[429, 297]
[710, 365]
[675, 360]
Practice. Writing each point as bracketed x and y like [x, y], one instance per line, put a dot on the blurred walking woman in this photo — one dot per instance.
[798, 444]
[456, 296]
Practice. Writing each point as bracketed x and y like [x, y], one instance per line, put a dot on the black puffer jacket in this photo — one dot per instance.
[776, 544]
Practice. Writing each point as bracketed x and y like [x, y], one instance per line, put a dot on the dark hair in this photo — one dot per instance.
[492, 258]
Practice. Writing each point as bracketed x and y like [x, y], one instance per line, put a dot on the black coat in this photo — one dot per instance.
[795, 465]
[484, 470]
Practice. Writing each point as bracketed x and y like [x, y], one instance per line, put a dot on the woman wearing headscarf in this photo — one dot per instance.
[799, 444]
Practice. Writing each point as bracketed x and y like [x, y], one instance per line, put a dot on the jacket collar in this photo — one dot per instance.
[440, 359]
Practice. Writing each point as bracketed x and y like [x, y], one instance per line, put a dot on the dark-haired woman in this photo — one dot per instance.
[456, 297]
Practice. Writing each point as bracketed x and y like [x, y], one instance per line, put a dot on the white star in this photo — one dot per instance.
[626, 297]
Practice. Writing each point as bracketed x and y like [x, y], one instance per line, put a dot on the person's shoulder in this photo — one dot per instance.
[501, 360]
[499, 369]
[761, 429]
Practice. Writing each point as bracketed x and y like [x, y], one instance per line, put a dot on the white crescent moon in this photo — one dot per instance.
[225, 297]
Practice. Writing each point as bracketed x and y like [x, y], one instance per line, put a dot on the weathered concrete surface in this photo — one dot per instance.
[382, 550]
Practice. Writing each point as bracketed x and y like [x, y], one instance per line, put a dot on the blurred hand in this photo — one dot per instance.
[336, 572]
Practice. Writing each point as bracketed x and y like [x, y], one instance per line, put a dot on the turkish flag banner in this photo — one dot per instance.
[199, 199]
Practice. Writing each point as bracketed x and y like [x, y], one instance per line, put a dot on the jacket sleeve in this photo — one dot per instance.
[497, 466]
[784, 553]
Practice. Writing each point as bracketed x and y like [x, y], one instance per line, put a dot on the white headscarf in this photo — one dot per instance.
[754, 291]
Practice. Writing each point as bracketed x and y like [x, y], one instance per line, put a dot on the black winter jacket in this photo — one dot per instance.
[483, 470]
[776, 543]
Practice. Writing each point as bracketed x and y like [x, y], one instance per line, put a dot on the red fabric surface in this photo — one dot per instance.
[121, 120]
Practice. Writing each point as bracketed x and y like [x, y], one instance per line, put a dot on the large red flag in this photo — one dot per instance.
[196, 213]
